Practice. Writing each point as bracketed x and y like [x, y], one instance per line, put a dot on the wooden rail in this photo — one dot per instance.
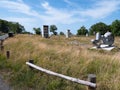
[87, 83]
[3, 37]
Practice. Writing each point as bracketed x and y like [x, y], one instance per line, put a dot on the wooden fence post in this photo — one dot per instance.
[92, 78]
[2, 47]
[1, 42]
[31, 61]
[8, 54]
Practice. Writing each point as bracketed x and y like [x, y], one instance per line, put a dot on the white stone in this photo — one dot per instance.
[104, 47]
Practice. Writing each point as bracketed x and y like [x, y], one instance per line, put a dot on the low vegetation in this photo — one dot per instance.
[72, 57]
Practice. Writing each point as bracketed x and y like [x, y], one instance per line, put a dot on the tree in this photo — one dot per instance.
[115, 27]
[62, 33]
[19, 28]
[37, 31]
[82, 31]
[53, 29]
[99, 27]
[15, 27]
[4, 26]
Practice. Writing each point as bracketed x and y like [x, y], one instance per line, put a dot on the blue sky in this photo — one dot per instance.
[65, 14]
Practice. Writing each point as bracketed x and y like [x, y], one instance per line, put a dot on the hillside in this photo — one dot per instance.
[70, 57]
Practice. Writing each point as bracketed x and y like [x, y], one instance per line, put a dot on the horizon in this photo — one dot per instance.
[65, 14]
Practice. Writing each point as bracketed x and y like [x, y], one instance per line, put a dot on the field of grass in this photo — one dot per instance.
[72, 57]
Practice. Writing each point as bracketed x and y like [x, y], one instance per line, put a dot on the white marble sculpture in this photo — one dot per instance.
[104, 42]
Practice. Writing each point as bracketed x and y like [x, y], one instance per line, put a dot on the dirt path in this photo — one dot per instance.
[3, 86]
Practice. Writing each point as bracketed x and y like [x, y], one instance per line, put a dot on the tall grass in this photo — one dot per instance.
[57, 54]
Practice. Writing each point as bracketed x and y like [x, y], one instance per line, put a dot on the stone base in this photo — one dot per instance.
[104, 47]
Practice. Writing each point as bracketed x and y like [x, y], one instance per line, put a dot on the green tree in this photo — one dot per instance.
[37, 31]
[62, 33]
[12, 27]
[53, 29]
[82, 31]
[99, 27]
[19, 28]
[115, 27]
[6, 27]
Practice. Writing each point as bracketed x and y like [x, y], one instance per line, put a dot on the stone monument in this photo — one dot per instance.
[68, 34]
[104, 42]
[45, 32]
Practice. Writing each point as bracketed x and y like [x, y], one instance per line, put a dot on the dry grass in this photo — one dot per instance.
[60, 55]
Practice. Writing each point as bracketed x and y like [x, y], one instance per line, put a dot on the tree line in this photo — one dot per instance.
[53, 29]
[15, 27]
[101, 27]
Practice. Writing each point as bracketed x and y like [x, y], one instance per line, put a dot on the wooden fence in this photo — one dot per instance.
[3, 37]
[91, 83]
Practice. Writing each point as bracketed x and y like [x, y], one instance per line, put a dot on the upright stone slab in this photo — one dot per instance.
[68, 34]
[87, 34]
[10, 34]
[45, 32]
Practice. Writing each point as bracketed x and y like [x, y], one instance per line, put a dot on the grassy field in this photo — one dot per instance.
[72, 57]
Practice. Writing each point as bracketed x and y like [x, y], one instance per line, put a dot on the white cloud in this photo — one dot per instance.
[69, 2]
[53, 15]
[99, 9]
[16, 19]
[17, 6]
[102, 9]
[72, 4]
[29, 23]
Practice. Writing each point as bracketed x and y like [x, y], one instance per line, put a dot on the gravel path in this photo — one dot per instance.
[3, 86]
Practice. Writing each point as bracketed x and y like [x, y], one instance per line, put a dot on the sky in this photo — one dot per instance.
[65, 14]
